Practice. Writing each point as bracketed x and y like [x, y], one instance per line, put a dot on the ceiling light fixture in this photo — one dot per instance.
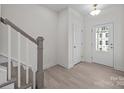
[95, 11]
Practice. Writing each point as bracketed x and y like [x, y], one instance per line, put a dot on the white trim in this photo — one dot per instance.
[27, 51]
[19, 57]
[9, 52]
[27, 59]
[27, 75]
[34, 79]
[119, 68]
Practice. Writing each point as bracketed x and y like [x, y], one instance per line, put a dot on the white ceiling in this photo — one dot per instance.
[56, 7]
[83, 8]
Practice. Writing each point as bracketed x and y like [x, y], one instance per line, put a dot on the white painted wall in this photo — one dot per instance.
[62, 39]
[113, 15]
[36, 21]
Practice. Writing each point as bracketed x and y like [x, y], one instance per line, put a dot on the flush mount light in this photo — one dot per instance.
[95, 11]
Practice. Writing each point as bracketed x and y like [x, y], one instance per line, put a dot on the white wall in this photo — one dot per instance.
[62, 39]
[113, 15]
[36, 21]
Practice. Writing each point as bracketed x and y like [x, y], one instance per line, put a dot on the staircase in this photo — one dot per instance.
[4, 84]
[15, 74]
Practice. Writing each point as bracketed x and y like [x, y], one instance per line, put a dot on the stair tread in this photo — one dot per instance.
[26, 86]
[8, 82]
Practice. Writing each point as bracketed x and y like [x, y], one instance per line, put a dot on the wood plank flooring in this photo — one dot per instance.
[84, 76]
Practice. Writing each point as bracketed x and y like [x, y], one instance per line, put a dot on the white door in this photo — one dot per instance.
[102, 44]
[76, 30]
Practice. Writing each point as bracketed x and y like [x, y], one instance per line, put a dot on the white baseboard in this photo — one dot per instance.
[120, 68]
[46, 66]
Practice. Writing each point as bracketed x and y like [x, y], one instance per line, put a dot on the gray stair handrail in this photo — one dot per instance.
[39, 43]
[6, 21]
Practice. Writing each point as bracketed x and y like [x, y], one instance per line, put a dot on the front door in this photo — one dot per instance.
[102, 44]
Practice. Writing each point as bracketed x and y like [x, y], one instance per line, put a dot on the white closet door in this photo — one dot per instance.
[76, 29]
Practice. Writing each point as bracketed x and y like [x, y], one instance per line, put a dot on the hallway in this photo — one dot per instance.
[85, 76]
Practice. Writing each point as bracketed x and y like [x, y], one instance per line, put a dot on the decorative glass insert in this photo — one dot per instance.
[102, 38]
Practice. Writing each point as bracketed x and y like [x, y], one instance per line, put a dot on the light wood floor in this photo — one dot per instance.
[83, 76]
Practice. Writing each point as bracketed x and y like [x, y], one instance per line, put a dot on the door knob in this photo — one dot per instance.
[112, 47]
[74, 46]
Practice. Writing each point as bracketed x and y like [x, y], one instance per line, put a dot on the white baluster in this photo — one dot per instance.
[19, 60]
[27, 75]
[27, 59]
[34, 79]
[9, 52]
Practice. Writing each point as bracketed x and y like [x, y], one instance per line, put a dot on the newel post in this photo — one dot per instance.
[40, 72]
